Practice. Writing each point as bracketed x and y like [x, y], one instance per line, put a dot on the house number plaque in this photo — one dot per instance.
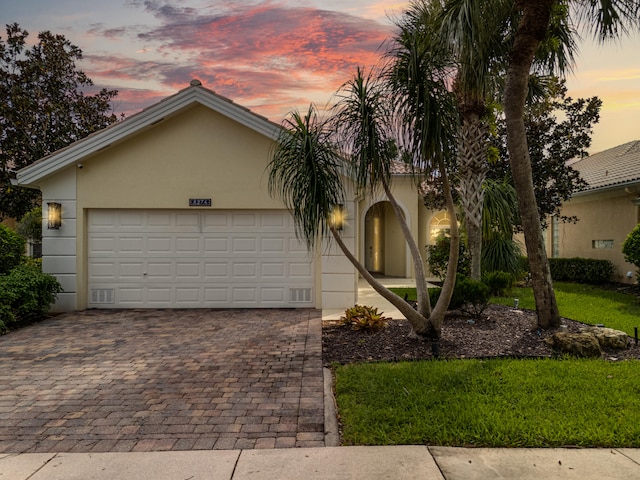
[199, 202]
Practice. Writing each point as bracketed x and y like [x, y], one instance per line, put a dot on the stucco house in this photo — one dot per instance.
[608, 209]
[170, 209]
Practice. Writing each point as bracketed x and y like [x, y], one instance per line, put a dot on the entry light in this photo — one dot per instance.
[54, 215]
[338, 216]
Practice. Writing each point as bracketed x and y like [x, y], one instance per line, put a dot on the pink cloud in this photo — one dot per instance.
[262, 56]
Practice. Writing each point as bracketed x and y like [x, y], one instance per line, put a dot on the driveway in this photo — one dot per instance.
[151, 380]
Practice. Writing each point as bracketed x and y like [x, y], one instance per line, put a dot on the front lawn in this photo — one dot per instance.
[494, 403]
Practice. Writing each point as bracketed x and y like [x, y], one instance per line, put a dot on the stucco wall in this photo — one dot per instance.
[60, 247]
[197, 154]
[606, 216]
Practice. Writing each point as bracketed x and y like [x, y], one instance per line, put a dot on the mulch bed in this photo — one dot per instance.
[501, 332]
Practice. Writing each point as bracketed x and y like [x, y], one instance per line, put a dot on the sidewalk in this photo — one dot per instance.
[354, 463]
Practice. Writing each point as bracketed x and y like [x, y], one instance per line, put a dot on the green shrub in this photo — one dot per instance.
[472, 295]
[581, 270]
[498, 283]
[360, 317]
[30, 226]
[502, 255]
[631, 248]
[11, 249]
[26, 295]
[438, 257]
[469, 296]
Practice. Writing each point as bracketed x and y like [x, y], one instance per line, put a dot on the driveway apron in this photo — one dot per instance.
[151, 380]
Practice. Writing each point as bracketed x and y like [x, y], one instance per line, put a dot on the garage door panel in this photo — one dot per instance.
[216, 271]
[216, 245]
[240, 220]
[188, 271]
[244, 245]
[215, 259]
[156, 244]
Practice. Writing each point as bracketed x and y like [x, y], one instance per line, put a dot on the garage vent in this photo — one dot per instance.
[300, 295]
[102, 295]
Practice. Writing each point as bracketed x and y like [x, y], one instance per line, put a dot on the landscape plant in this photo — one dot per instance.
[12, 249]
[631, 249]
[26, 295]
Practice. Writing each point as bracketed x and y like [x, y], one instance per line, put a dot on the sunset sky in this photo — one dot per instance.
[273, 56]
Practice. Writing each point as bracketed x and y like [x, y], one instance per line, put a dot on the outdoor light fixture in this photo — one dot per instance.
[54, 215]
[338, 216]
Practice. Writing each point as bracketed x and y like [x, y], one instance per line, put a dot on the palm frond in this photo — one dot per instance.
[305, 172]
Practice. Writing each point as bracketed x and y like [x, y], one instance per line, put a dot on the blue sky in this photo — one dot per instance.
[276, 55]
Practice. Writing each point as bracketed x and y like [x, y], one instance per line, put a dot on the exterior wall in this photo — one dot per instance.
[195, 154]
[603, 216]
[59, 246]
[410, 201]
[339, 277]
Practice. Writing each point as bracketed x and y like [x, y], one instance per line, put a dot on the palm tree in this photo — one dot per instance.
[308, 172]
[607, 19]
[418, 76]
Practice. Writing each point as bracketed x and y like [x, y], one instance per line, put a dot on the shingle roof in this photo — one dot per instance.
[617, 166]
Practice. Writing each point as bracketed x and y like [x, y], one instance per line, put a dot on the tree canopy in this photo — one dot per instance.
[45, 106]
[558, 130]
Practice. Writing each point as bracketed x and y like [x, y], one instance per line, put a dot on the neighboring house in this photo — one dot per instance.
[169, 208]
[608, 209]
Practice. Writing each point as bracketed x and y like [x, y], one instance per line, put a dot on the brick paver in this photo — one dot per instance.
[152, 380]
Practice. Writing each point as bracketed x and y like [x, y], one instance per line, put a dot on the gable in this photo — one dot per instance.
[196, 154]
[148, 119]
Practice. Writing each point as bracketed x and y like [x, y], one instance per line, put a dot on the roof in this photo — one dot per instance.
[116, 133]
[618, 166]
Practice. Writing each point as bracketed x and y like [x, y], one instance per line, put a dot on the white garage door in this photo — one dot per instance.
[189, 259]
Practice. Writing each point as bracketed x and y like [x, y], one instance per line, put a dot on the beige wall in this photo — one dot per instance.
[604, 216]
[196, 154]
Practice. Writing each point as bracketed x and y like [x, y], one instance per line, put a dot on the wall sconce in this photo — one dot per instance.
[337, 217]
[54, 215]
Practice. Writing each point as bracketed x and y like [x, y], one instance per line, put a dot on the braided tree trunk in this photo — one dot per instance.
[472, 173]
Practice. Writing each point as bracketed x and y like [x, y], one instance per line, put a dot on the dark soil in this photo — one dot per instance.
[502, 332]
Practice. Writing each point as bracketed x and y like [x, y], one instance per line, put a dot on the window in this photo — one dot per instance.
[555, 236]
[440, 223]
[601, 243]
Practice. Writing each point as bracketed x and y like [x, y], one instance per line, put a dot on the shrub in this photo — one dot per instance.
[501, 255]
[469, 296]
[438, 256]
[11, 249]
[581, 270]
[498, 282]
[360, 317]
[473, 296]
[30, 226]
[26, 295]
[631, 248]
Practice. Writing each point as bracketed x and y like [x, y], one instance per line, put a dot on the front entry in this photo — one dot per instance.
[384, 245]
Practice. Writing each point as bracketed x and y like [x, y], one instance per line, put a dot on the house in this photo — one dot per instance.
[170, 209]
[608, 209]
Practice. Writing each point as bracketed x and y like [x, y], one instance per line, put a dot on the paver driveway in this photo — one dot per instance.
[143, 380]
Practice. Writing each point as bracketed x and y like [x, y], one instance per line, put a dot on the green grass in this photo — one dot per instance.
[494, 403]
[584, 303]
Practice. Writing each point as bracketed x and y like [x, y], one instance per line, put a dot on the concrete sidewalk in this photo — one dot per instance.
[355, 463]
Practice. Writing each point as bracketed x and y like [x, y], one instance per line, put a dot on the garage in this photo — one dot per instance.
[171, 208]
[196, 259]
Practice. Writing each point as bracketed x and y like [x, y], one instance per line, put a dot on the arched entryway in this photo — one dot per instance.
[385, 249]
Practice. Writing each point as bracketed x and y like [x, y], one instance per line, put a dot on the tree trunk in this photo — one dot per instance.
[473, 171]
[424, 304]
[531, 30]
[419, 323]
[442, 305]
